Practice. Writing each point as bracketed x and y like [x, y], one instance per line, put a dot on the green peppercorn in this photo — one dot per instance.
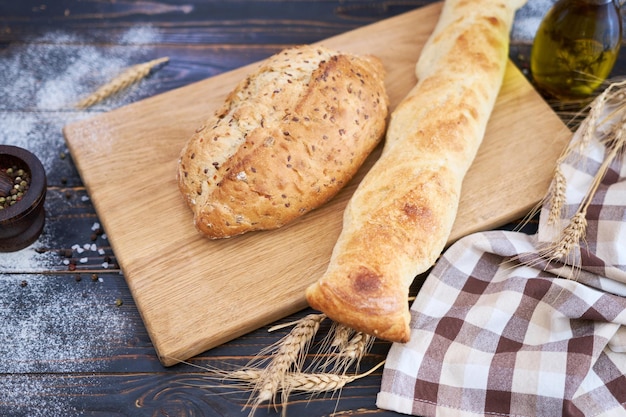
[16, 182]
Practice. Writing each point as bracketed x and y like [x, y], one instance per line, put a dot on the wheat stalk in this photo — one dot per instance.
[121, 82]
[278, 368]
[570, 238]
[352, 352]
[342, 348]
[357, 346]
[614, 140]
[587, 129]
[557, 196]
[301, 381]
[289, 355]
[590, 123]
[323, 382]
[575, 231]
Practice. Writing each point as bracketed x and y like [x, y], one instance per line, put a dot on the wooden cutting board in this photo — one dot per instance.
[194, 294]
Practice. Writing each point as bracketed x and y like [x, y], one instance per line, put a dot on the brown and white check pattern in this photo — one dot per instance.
[492, 336]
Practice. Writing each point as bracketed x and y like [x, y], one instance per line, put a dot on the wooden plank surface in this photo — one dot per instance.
[194, 294]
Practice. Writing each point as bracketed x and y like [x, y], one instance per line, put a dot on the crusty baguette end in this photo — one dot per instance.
[400, 218]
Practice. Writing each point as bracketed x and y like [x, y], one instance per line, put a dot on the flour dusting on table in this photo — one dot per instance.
[71, 320]
[61, 320]
[28, 260]
[48, 76]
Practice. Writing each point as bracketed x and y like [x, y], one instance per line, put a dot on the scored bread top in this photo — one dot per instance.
[285, 141]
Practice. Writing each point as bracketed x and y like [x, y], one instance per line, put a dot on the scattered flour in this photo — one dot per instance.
[29, 260]
[59, 324]
[17, 395]
[40, 83]
[48, 319]
[52, 324]
[39, 133]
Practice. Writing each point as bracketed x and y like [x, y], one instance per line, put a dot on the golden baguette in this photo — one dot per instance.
[399, 219]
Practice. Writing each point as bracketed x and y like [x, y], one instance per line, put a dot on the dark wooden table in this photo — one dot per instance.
[71, 339]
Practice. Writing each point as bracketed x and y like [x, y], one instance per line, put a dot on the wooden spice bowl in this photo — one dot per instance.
[22, 223]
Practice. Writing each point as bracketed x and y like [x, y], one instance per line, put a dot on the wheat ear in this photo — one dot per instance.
[341, 336]
[615, 142]
[352, 352]
[301, 381]
[587, 129]
[121, 82]
[323, 382]
[557, 196]
[357, 346]
[289, 355]
[342, 348]
[590, 123]
[570, 238]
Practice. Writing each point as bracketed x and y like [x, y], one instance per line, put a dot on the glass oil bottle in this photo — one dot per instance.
[575, 47]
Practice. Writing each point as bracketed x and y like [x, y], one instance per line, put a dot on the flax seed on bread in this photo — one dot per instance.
[285, 141]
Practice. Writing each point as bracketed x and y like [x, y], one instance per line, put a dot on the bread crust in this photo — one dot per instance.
[400, 217]
[286, 140]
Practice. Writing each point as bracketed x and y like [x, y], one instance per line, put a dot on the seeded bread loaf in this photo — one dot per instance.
[285, 141]
[400, 217]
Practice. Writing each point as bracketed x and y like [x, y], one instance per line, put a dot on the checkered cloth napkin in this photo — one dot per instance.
[499, 331]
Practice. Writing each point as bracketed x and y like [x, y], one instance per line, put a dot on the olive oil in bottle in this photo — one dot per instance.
[575, 47]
